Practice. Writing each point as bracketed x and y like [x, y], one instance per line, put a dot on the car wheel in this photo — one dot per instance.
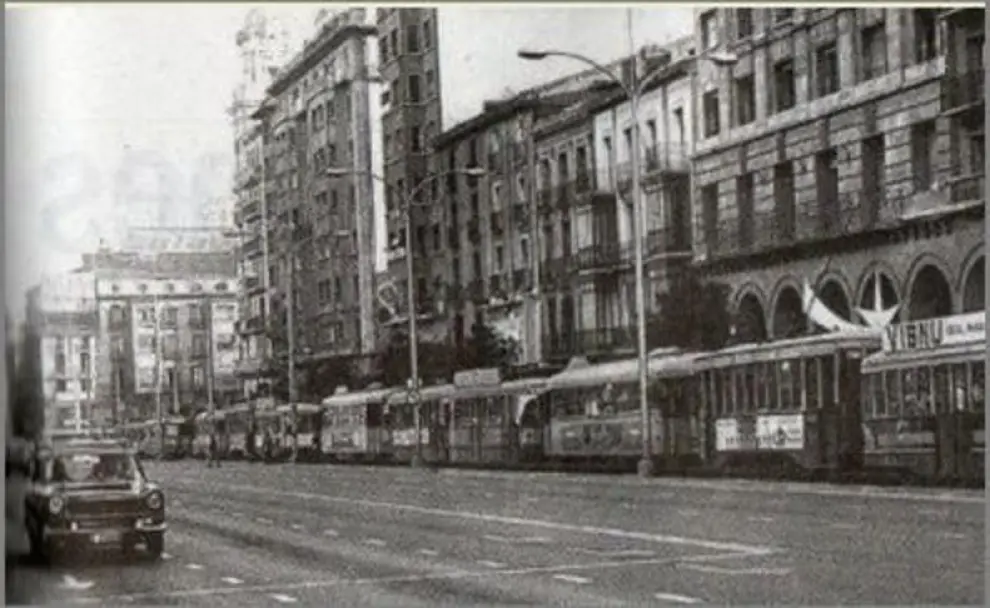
[155, 543]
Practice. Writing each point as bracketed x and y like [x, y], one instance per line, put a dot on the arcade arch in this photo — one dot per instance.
[789, 320]
[974, 288]
[930, 294]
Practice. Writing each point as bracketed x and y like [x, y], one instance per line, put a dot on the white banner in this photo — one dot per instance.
[726, 434]
[935, 333]
[784, 432]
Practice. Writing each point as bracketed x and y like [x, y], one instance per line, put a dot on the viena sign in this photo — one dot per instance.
[940, 332]
[778, 432]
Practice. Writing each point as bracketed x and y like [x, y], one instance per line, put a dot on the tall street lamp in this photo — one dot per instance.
[633, 92]
[408, 201]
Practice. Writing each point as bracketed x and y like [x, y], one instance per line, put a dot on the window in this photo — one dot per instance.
[744, 192]
[745, 100]
[679, 123]
[744, 23]
[412, 39]
[609, 156]
[199, 345]
[415, 138]
[431, 84]
[709, 29]
[783, 85]
[874, 174]
[395, 91]
[709, 214]
[382, 49]
[874, 48]
[827, 188]
[783, 198]
[421, 240]
[524, 252]
[710, 105]
[496, 197]
[925, 28]
[826, 70]
[922, 140]
[499, 258]
[414, 92]
[385, 97]
[427, 34]
[782, 15]
[437, 241]
[393, 40]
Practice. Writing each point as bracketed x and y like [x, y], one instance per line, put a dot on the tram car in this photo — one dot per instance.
[923, 401]
[237, 422]
[267, 433]
[595, 420]
[353, 426]
[176, 438]
[309, 430]
[489, 424]
[399, 418]
[204, 423]
[787, 408]
[138, 434]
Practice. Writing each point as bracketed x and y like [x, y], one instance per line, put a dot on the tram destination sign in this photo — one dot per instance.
[928, 334]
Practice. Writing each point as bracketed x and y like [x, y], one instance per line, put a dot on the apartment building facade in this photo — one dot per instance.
[410, 105]
[842, 148]
[604, 228]
[320, 112]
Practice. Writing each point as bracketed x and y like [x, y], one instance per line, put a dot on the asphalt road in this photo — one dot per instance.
[261, 535]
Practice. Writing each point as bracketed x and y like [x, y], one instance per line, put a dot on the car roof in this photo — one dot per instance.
[101, 446]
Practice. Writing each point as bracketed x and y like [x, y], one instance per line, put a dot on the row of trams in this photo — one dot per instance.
[834, 407]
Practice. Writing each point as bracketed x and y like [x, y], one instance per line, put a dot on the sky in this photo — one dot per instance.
[102, 98]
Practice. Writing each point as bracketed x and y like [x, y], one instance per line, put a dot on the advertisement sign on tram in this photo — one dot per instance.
[784, 432]
[928, 334]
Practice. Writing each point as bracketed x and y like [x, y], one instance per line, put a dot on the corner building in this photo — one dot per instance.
[844, 147]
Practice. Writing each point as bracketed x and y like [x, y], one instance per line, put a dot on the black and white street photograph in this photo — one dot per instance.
[473, 304]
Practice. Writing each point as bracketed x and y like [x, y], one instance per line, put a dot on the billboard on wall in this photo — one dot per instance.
[225, 355]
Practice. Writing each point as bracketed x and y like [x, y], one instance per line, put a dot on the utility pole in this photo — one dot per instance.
[158, 380]
[290, 322]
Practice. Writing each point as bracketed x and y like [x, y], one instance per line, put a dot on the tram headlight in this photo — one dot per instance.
[154, 501]
[55, 505]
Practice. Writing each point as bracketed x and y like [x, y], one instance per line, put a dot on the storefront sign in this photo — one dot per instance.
[784, 432]
[484, 376]
[935, 333]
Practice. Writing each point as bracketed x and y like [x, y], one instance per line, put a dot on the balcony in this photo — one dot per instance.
[476, 291]
[544, 200]
[251, 211]
[582, 183]
[496, 287]
[963, 91]
[598, 342]
[250, 325]
[608, 256]
[394, 254]
[522, 280]
[554, 272]
[666, 157]
[967, 188]
[252, 247]
[564, 196]
[497, 223]
[252, 284]
[474, 230]
[667, 242]
[520, 213]
[453, 238]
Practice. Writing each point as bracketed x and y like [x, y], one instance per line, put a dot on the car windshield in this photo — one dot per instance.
[92, 467]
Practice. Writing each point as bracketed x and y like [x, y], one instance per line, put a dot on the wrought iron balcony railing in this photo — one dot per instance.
[604, 256]
[963, 89]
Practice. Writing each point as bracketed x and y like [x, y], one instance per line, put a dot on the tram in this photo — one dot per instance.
[204, 424]
[237, 423]
[923, 401]
[308, 432]
[353, 426]
[595, 418]
[400, 422]
[787, 408]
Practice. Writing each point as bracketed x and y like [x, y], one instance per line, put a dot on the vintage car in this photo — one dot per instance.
[93, 492]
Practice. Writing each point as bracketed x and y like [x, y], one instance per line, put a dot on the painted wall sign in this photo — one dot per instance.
[929, 334]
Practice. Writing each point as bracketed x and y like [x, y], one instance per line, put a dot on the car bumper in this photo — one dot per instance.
[82, 532]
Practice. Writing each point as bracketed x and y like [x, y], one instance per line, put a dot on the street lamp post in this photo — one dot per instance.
[633, 92]
[408, 201]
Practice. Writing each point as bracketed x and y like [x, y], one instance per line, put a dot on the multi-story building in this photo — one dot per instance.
[100, 345]
[843, 148]
[263, 48]
[408, 44]
[320, 112]
[591, 164]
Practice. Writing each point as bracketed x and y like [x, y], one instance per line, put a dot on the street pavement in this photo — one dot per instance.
[261, 535]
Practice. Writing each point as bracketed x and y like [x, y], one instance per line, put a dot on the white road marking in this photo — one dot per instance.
[428, 552]
[490, 564]
[571, 578]
[737, 571]
[676, 598]
[667, 539]
[688, 512]
[933, 512]
[296, 526]
[760, 518]
[517, 540]
[283, 598]
[166, 556]
[621, 553]
[263, 520]
[71, 582]
[330, 532]
[232, 580]
[489, 495]
[953, 535]
[237, 514]
[843, 526]
[419, 578]
[375, 542]
[194, 566]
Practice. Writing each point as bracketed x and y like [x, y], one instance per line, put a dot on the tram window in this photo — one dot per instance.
[941, 389]
[727, 401]
[879, 395]
[741, 402]
[977, 384]
[910, 394]
[789, 398]
[895, 398]
[625, 399]
[715, 393]
[827, 378]
[768, 393]
[960, 387]
[811, 382]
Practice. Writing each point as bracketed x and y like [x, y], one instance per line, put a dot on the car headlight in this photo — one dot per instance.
[55, 505]
[154, 501]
